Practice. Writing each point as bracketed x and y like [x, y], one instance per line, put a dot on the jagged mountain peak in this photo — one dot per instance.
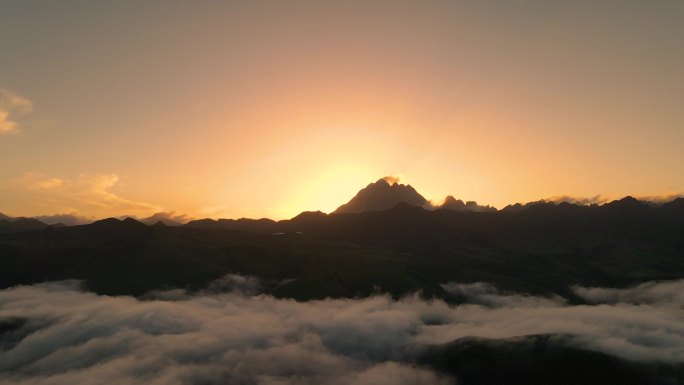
[451, 203]
[384, 194]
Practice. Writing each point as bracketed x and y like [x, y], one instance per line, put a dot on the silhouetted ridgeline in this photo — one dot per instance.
[627, 214]
[539, 248]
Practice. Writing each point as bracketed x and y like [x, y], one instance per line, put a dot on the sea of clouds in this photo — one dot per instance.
[55, 333]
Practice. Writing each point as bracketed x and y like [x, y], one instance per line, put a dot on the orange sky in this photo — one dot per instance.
[269, 109]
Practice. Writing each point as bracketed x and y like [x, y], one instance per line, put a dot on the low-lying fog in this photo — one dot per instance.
[54, 333]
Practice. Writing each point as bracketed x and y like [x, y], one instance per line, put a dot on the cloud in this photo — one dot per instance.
[230, 283]
[615, 323]
[210, 339]
[596, 199]
[649, 293]
[65, 336]
[12, 104]
[486, 294]
[35, 181]
[451, 203]
[91, 193]
[49, 184]
[660, 199]
[236, 283]
[168, 218]
[601, 199]
[96, 192]
[69, 219]
[392, 179]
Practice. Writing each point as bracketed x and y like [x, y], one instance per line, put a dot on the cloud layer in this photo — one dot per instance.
[65, 336]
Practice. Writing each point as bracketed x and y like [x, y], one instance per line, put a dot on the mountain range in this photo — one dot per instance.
[381, 195]
[540, 247]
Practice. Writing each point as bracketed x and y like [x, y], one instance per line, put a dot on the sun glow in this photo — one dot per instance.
[330, 189]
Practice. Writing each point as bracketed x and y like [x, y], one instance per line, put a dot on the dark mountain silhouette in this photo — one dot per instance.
[66, 219]
[21, 224]
[677, 204]
[114, 223]
[451, 203]
[626, 203]
[243, 224]
[52, 220]
[541, 249]
[382, 237]
[387, 193]
[381, 195]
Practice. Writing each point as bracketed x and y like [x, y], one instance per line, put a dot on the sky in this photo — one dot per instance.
[269, 108]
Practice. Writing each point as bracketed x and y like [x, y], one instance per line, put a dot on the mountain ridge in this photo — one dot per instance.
[384, 194]
[381, 195]
[545, 248]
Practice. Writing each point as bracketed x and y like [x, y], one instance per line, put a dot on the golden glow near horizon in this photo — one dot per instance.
[246, 110]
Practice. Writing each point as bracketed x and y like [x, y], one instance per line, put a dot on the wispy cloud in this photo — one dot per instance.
[649, 293]
[601, 199]
[12, 105]
[596, 199]
[40, 182]
[662, 198]
[86, 193]
[393, 179]
[95, 190]
[49, 184]
[169, 218]
[69, 219]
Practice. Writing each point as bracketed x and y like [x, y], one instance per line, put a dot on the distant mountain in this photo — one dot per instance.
[627, 203]
[18, 225]
[677, 204]
[521, 207]
[451, 203]
[243, 224]
[58, 220]
[169, 219]
[382, 195]
[72, 219]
